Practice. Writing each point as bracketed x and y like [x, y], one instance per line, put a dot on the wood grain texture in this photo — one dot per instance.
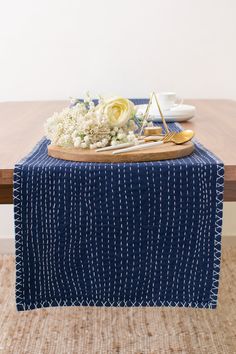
[22, 127]
[119, 330]
[161, 152]
[6, 194]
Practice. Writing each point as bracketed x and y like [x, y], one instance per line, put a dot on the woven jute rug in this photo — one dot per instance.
[119, 330]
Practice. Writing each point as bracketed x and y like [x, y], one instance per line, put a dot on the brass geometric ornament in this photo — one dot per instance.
[154, 95]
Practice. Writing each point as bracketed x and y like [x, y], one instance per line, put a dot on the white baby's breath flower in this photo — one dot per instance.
[99, 144]
[86, 139]
[121, 136]
[83, 145]
[105, 142]
[91, 105]
[88, 126]
[77, 142]
[114, 142]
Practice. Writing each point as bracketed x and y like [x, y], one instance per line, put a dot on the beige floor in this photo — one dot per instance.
[117, 330]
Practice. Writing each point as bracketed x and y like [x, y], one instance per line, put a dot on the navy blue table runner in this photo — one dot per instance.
[127, 234]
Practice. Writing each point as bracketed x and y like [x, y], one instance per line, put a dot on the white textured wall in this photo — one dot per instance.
[57, 48]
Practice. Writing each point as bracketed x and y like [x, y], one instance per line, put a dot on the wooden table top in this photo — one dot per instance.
[22, 128]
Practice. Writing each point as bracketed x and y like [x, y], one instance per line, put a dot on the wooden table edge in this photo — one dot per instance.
[6, 185]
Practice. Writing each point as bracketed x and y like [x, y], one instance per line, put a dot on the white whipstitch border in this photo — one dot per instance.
[218, 223]
[218, 230]
[92, 303]
[18, 234]
[17, 199]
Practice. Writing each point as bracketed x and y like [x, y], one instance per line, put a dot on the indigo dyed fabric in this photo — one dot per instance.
[125, 234]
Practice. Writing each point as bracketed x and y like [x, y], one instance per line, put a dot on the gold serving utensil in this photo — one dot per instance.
[153, 137]
[119, 146]
[183, 136]
[176, 138]
[144, 145]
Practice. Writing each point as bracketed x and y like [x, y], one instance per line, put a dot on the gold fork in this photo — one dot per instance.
[159, 137]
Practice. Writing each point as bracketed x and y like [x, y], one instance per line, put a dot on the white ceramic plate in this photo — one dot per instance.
[178, 113]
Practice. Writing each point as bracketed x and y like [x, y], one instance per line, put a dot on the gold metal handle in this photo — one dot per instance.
[162, 117]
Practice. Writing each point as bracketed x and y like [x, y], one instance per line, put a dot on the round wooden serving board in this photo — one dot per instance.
[166, 151]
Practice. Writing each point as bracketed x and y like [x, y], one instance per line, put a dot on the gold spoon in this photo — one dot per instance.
[183, 136]
[177, 138]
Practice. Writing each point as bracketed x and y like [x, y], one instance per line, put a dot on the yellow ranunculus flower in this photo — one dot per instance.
[118, 110]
